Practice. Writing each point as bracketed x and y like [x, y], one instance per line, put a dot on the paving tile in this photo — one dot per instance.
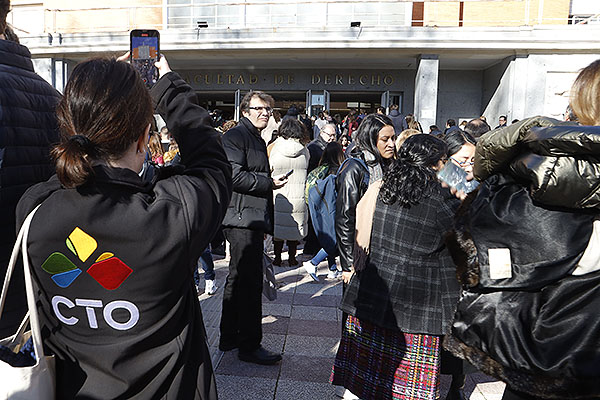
[275, 324]
[231, 387]
[311, 346]
[273, 342]
[231, 365]
[282, 298]
[315, 328]
[287, 389]
[308, 313]
[311, 287]
[282, 310]
[339, 315]
[306, 369]
[288, 276]
[289, 287]
[303, 299]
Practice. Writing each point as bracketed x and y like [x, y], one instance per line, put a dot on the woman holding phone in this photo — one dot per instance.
[112, 255]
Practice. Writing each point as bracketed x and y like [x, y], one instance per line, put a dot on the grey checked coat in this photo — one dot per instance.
[409, 282]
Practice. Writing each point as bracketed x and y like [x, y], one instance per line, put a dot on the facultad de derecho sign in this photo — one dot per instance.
[292, 80]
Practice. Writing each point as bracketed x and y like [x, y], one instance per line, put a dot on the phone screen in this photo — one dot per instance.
[144, 53]
[456, 177]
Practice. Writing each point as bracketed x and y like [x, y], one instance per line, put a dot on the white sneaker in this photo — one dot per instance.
[333, 274]
[311, 270]
[210, 287]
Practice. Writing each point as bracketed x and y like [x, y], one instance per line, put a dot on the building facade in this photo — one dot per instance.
[437, 59]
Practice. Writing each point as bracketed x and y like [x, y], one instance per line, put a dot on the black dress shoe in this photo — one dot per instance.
[260, 356]
[227, 346]
[456, 393]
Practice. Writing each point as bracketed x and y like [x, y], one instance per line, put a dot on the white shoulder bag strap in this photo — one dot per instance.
[21, 245]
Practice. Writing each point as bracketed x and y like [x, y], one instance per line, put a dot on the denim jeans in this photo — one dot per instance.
[206, 262]
[320, 256]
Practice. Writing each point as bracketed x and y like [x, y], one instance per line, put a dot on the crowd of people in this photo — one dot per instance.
[436, 280]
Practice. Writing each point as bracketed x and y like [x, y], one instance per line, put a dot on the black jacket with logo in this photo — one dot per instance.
[114, 258]
[252, 200]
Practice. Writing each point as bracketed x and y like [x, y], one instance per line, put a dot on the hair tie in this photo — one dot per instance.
[85, 143]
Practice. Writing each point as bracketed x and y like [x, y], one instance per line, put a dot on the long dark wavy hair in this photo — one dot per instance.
[412, 177]
[368, 134]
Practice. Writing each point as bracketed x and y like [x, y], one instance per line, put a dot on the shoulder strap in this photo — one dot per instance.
[21, 246]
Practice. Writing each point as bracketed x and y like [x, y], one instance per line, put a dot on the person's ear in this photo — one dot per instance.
[245, 113]
[142, 142]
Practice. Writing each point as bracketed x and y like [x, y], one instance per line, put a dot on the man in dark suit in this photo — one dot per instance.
[248, 217]
[27, 130]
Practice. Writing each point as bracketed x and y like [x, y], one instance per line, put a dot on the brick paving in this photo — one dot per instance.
[304, 323]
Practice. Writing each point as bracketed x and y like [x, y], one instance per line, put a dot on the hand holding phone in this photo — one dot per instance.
[144, 53]
[287, 174]
[456, 178]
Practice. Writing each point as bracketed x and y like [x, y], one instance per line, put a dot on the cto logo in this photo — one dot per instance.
[109, 271]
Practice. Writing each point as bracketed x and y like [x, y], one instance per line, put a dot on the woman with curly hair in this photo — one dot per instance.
[401, 298]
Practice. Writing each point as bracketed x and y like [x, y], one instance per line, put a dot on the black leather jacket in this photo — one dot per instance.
[530, 319]
[350, 189]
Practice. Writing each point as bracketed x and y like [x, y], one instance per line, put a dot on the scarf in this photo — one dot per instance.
[364, 223]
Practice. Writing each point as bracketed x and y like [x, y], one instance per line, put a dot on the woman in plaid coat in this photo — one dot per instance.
[403, 299]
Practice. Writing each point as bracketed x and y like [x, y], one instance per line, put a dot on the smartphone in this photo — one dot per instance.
[144, 50]
[287, 174]
[456, 177]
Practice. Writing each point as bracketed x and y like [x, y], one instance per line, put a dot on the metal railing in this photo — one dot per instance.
[224, 14]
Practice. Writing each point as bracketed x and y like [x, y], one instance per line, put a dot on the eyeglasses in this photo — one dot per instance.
[463, 163]
[269, 110]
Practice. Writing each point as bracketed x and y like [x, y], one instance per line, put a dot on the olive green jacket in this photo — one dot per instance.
[559, 161]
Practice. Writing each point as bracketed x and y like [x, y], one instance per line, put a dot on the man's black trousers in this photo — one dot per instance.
[242, 302]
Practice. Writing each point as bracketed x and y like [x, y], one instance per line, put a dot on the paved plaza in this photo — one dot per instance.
[304, 323]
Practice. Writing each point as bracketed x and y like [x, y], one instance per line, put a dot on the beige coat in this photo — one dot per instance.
[291, 214]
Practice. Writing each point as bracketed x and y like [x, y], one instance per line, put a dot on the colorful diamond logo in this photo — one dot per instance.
[108, 270]
[66, 278]
[110, 273]
[81, 244]
[63, 271]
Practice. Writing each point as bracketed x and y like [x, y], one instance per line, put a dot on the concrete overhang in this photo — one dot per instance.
[348, 48]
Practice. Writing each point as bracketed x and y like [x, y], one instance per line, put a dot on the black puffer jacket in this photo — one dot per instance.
[350, 186]
[529, 317]
[27, 129]
[251, 204]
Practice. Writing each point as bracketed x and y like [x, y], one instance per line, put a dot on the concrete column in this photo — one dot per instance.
[426, 88]
[518, 99]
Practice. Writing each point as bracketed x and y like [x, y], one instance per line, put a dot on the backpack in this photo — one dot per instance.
[311, 180]
[321, 203]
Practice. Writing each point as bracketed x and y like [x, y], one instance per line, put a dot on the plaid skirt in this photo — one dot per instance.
[379, 363]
